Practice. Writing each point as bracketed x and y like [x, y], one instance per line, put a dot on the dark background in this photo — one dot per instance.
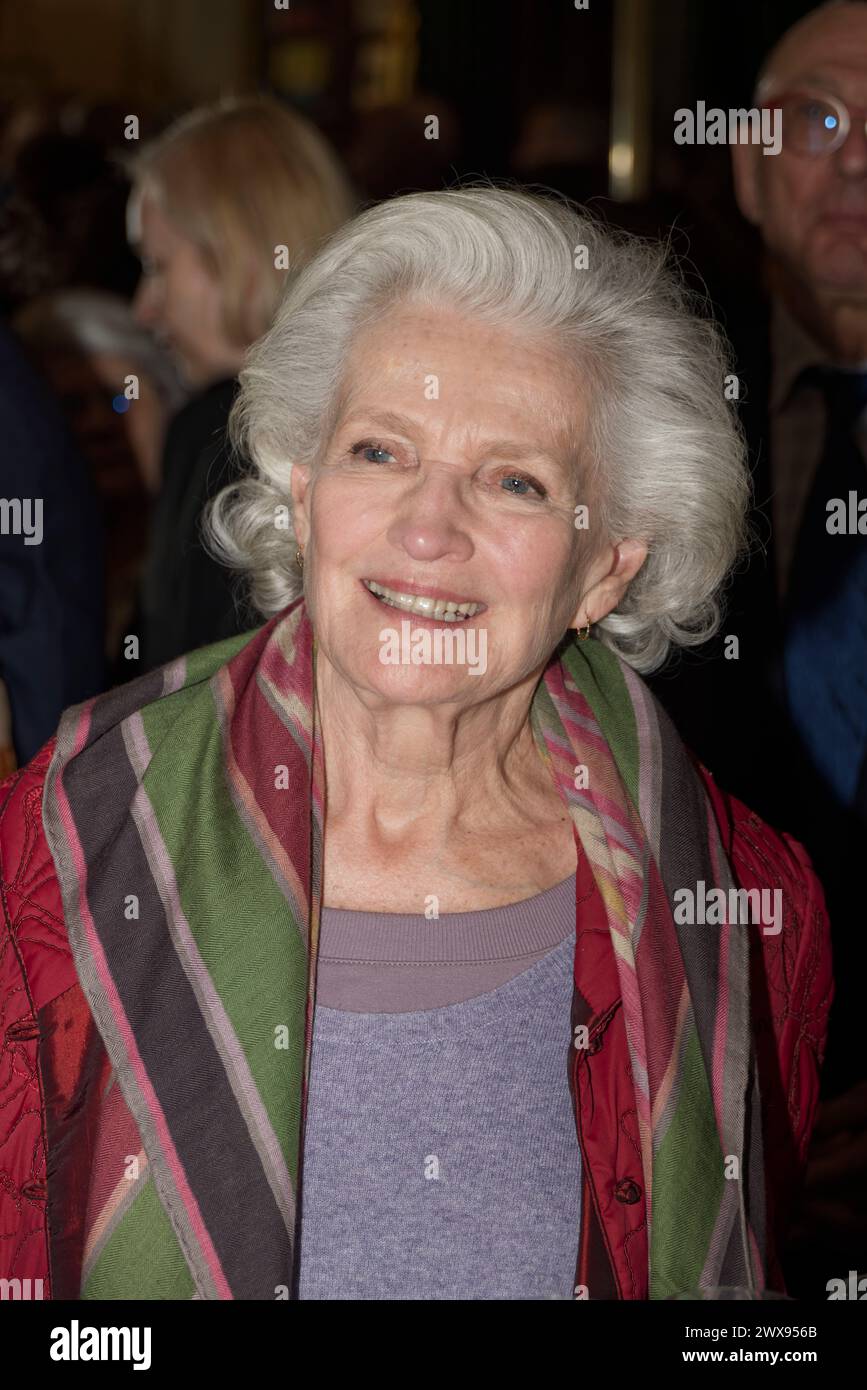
[369, 70]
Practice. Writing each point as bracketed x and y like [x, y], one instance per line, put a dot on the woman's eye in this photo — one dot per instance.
[516, 484]
[524, 486]
[365, 450]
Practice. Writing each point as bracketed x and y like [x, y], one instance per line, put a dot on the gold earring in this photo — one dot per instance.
[584, 632]
[299, 559]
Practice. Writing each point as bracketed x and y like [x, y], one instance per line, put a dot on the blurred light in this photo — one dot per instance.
[631, 107]
[621, 160]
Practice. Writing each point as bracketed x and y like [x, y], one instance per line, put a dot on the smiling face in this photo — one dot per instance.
[466, 498]
[812, 210]
[180, 300]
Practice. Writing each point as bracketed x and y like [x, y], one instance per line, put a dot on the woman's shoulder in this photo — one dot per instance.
[21, 807]
[33, 929]
[771, 858]
[792, 977]
[36, 967]
[21, 796]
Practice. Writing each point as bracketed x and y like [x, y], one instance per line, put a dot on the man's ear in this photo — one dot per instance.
[299, 482]
[619, 567]
[746, 173]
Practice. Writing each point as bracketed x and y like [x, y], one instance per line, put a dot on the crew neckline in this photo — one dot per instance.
[497, 1008]
[512, 932]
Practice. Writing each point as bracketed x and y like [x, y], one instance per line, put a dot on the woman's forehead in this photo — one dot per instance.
[434, 365]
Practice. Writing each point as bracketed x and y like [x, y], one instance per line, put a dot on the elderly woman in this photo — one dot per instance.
[409, 891]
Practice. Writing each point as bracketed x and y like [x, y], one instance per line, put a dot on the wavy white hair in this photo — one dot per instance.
[663, 440]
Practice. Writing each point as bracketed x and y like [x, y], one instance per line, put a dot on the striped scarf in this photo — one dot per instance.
[185, 812]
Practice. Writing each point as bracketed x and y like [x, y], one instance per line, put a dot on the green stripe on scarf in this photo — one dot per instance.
[257, 963]
[158, 1271]
[598, 675]
[689, 1160]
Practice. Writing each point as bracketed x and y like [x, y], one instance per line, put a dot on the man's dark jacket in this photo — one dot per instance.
[733, 714]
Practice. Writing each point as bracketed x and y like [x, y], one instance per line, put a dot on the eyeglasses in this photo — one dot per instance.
[815, 123]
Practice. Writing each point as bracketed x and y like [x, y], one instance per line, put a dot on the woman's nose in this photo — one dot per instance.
[431, 519]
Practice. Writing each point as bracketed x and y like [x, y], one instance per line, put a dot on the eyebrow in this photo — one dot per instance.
[404, 424]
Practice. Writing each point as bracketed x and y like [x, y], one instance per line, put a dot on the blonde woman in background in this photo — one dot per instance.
[229, 203]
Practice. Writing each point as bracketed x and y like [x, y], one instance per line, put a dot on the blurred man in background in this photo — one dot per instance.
[807, 415]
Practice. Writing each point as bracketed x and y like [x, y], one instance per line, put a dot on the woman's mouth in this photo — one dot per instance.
[424, 605]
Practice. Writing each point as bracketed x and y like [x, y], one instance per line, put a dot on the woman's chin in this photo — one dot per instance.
[420, 685]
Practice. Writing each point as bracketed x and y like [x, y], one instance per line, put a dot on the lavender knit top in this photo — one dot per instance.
[441, 1159]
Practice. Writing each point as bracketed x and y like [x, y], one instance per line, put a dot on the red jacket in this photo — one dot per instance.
[792, 991]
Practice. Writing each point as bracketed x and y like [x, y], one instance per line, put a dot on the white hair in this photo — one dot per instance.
[663, 442]
[96, 322]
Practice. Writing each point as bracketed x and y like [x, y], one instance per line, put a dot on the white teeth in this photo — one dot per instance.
[426, 607]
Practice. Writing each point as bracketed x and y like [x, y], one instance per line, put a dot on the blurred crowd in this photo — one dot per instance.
[133, 276]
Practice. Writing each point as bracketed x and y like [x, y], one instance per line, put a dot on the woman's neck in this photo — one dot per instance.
[390, 766]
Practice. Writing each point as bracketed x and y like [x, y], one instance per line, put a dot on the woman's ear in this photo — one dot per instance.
[618, 567]
[299, 482]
